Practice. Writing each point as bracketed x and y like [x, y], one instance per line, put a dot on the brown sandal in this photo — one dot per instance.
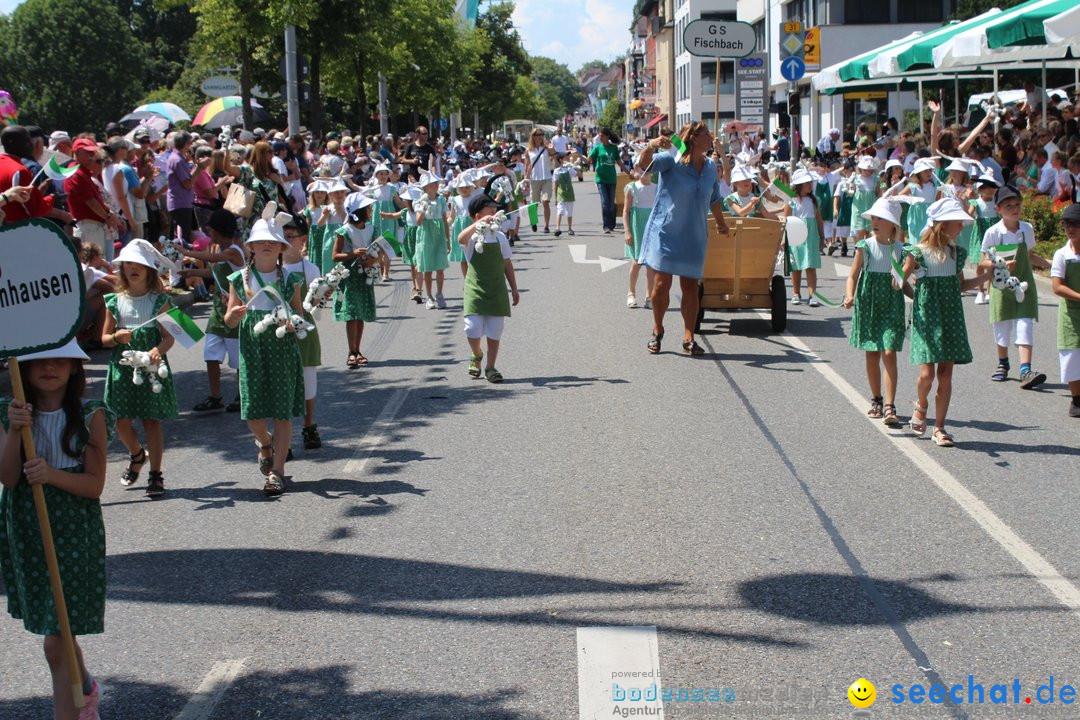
[265, 463]
[691, 347]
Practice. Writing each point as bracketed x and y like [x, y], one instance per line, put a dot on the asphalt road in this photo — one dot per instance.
[435, 559]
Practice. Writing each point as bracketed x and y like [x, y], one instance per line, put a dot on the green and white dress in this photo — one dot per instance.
[215, 323]
[644, 198]
[986, 217]
[844, 193]
[271, 374]
[384, 202]
[916, 217]
[863, 200]
[78, 535]
[316, 234]
[408, 245]
[808, 255]
[355, 299]
[938, 329]
[563, 180]
[310, 347]
[461, 221]
[823, 191]
[744, 200]
[431, 251]
[335, 222]
[878, 321]
[124, 397]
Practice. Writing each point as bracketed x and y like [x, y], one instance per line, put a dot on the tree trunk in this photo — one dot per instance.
[315, 81]
[245, 82]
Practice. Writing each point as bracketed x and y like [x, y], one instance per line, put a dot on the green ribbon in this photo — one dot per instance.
[825, 300]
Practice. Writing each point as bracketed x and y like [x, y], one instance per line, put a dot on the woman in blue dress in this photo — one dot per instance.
[677, 231]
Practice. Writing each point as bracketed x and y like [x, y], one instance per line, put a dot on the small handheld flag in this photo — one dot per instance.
[680, 147]
[391, 239]
[58, 172]
[534, 215]
[181, 327]
[782, 188]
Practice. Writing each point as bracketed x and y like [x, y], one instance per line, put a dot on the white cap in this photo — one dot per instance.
[143, 253]
[57, 137]
[463, 180]
[70, 349]
[959, 165]
[319, 185]
[800, 177]
[893, 163]
[866, 162]
[358, 201]
[381, 167]
[924, 164]
[947, 209]
[269, 226]
[427, 178]
[742, 173]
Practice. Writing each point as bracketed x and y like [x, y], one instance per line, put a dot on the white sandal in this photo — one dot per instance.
[631, 300]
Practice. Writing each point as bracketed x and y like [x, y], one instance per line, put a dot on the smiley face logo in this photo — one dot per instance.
[862, 693]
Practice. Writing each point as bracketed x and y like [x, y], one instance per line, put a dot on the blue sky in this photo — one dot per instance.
[574, 31]
[570, 31]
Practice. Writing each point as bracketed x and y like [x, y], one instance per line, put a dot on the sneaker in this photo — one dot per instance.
[210, 403]
[534, 228]
[1001, 373]
[570, 232]
[312, 441]
[234, 406]
[796, 300]
[558, 233]
[440, 301]
[430, 304]
[90, 703]
[981, 298]
[546, 230]
[1031, 379]
[631, 300]
[155, 485]
[813, 302]
[1074, 409]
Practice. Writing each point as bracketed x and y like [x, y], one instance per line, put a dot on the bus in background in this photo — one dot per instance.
[519, 130]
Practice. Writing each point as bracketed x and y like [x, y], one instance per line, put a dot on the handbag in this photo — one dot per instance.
[240, 201]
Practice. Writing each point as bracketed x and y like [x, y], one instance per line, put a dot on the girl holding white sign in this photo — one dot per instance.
[140, 297]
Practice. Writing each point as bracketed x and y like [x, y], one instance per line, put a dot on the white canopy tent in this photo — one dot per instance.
[971, 46]
[1064, 29]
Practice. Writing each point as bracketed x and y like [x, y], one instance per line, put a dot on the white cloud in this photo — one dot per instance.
[573, 32]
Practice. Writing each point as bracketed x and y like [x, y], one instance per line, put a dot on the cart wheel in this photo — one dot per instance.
[779, 304]
[700, 309]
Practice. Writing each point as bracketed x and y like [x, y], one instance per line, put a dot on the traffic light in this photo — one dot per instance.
[793, 104]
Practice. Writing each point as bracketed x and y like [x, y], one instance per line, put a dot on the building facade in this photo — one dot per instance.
[704, 89]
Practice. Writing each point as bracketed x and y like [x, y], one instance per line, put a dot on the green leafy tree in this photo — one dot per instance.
[558, 86]
[593, 65]
[165, 29]
[69, 63]
[966, 9]
[526, 101]
[614, 116]
[502, 61]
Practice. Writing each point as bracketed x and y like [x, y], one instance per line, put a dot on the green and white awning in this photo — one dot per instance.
[1015, 35]
[917, 53]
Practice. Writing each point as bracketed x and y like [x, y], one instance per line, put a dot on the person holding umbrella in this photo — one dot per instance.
[676, 233]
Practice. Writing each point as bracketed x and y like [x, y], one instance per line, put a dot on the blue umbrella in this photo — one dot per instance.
[172, 113]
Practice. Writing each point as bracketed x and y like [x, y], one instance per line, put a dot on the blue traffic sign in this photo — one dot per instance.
[792, 69]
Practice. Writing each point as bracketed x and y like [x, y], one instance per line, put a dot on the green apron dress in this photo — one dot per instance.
[878, 321]
[863, 200]
[125, 398]
[485, 284]
[271, 374]
[355, 298]
[1068, 325]
[461, 221]
[1003, 305]
[938, 329]
[823, 193]
[78, 536]
[985, 218]
[808, 255]
[315, 236]
[639, 217]
[431, 250]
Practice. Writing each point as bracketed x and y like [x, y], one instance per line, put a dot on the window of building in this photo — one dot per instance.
[708, 77]
[759, 34]
[805, 12]
[720, 16]
[709, 118]
[860, 12]
[921, 11]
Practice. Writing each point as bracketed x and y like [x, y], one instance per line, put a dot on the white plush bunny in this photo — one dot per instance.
[143, 369]
[322, 288]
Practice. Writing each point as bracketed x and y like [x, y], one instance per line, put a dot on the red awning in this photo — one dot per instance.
[659, 118]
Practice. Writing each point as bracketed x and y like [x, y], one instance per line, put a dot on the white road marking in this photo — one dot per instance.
[211, 690]
[605, 652]
[1066, 592]
[842, 271]
[378, 434]
[578, 252]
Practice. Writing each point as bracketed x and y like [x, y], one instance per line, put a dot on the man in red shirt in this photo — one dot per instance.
[84, 200]
[17, 144]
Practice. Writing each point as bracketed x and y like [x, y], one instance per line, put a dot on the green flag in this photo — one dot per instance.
[181, 327]
[391, 239]
[783, 188]
[534, 215]
[680, 147]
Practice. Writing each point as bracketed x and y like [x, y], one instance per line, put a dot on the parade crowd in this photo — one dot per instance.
[272, 228]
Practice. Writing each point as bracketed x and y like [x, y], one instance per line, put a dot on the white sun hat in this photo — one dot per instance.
[143, 253]
[866, 162]
[269, 226]
[427, 178]
[338, 185]
[319, 185]
[924, 164]
[70, 349]
[800, 177]
[463, 180]
[742, 173]
[891, 164]
[890, 208]
[959, 165]
[381, 167]
[358, 201]
[947, 209]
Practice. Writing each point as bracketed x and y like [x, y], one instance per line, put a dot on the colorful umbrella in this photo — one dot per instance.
[172, 113]
[139, 117]
[228, 111]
